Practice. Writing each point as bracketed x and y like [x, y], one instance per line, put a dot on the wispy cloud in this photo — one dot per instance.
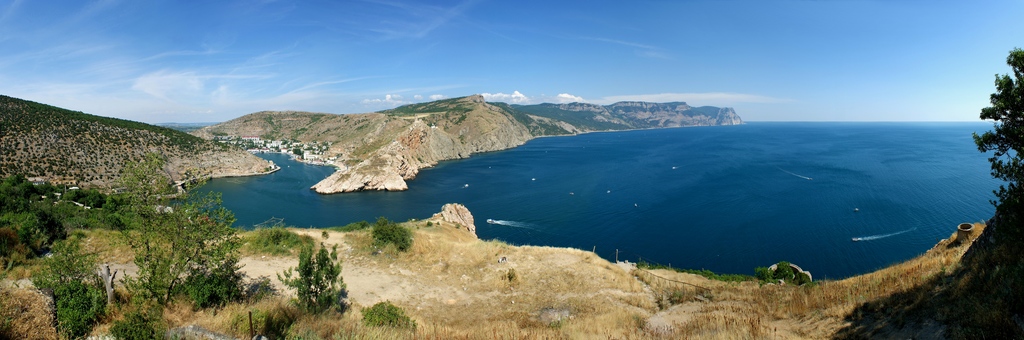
[640, 49]
[418, 20]
[710, 98]
[325, 83]
[92, 9]
[180, 85]
[9, 11]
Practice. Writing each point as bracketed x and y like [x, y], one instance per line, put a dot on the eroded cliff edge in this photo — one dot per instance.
[382, 150]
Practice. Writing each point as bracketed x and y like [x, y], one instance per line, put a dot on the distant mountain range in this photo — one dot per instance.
[38, 140]
[631, 115]
[381, 150]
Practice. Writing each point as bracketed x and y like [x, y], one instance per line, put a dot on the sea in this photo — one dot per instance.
[724, 198]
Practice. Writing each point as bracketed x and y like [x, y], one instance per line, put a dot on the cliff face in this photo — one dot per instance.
[380, 151]
[421, 139]
[39, 140]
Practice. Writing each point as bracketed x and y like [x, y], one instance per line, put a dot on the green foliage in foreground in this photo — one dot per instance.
[317, 280]
[214, 287]
[387, 314]
[79, 306]
[387, 232]
[702, 272]
[79, 299]
[139, 324]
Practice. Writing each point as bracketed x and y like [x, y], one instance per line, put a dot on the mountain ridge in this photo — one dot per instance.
[77, 148]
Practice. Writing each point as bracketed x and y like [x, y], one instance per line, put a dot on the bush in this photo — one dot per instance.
[387, 232]
[783, 271]
[764, 274]
[318, 284]
[79, 306]
[215, 287]
[275, 241]
[138, 325]
[353, 226]
[387, 314]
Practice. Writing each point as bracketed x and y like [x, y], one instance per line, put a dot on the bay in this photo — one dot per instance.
[727, 198]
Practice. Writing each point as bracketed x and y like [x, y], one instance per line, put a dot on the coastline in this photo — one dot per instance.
[181, 187]
[428, 166]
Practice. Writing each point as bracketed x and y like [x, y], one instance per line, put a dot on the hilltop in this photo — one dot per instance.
[381, 150]
[64, 146]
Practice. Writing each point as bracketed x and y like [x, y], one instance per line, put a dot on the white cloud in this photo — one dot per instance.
[437, 97]
[568, 98]
[514, 98]
[390, 100]
[417, 97]
[709, 98]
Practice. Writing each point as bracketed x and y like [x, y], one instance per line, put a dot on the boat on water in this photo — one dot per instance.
[856, 239]
[491, 221]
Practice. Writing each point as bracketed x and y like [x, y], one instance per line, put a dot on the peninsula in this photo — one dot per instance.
[382, 150]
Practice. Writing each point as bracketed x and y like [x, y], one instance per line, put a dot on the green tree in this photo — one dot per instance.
[170, 238]
[318, 282]
[1006, 142]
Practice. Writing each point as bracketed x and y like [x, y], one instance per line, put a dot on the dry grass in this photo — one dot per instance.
[455, 288]
[464, 288]
[749, 310]
[108, 245]
[24, 315]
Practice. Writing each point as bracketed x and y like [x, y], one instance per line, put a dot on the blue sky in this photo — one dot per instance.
[205, 61]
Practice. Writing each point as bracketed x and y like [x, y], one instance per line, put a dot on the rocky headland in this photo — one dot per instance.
[382, 150]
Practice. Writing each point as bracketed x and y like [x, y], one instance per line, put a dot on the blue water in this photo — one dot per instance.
[725, 198]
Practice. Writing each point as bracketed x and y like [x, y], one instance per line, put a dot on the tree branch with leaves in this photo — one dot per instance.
[1006, 142]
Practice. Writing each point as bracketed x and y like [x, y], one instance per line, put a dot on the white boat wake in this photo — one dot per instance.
[804, 177]
[875, 237]
[513, 224]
